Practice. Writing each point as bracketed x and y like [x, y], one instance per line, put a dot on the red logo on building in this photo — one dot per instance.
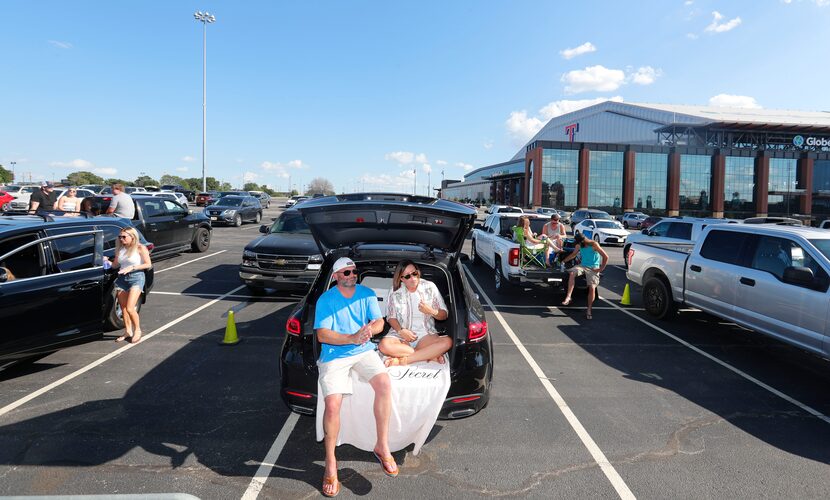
[570, 130]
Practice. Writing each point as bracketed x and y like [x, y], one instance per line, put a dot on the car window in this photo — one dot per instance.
[153, 208]
[25, 263]
[589, 223]
[292, 223]
[774, 254]
[660, 229]
[110, 235]
[724, 246]
[607, 224]
[173, 208]
[74, 252]
[681, 230]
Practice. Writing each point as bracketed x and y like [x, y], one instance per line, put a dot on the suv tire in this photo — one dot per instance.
[258, 217]
[657, 299]
[237, 220]
[201, 240]
[501, 283]
[474, 255]
[115, 318]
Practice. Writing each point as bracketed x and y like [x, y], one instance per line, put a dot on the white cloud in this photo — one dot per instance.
[78, 163]
[820, 3]
[249, 176]
[692, 36]
[441, 162]
[421, 158]
[60, 45]
[105, 170]
[645, 75]
[557, 108]
[578, 51]
[181, 169]
[188, 158]
[427, 168]
[406, 157]
[593, 79]
[466, 166]
[716, 26]
[734, 101]
[282, 169]
[688, 2]
[488, 144]
[521, 127]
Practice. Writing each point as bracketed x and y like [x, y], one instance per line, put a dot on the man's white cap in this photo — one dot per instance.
[342, 263]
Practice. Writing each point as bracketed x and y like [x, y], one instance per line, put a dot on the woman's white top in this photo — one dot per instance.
[68, 205]
[125, 260]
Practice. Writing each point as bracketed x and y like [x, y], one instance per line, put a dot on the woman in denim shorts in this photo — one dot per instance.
[131, 259]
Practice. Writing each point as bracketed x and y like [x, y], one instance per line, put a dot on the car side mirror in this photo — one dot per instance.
[800, 276]
[263, 229]
[646, 232]
[477, 225]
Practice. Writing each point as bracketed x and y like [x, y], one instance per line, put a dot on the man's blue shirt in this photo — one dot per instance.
[336, 312]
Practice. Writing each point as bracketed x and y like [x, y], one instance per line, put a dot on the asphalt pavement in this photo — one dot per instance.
[617, 406]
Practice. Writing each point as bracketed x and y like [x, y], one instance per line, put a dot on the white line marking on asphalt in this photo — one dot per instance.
[109, 356]
[599, 457]
[621, 268]
[270, 460]
[272, 299]
[188, 262]
[507, 306]
[726, 365]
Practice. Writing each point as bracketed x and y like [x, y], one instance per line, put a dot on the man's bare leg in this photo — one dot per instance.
[383, 410]
[331, 428]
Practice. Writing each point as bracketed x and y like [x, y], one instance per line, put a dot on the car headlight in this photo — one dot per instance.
[248, 258]
[228, 212]
[315, 259]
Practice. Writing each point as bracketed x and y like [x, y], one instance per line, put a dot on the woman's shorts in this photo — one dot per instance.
[591, 275]
[130, 280]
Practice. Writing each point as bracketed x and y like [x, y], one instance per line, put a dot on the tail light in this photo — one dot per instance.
[293, 327]
[150, 247]
[630, 257]
[513, 257]
[476, 332]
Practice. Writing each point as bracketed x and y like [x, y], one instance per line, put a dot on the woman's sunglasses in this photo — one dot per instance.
[413, 273]
[123, 236]
[348, 272]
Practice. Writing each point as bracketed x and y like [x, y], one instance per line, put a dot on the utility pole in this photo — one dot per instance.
[414, 181]
[205, 18]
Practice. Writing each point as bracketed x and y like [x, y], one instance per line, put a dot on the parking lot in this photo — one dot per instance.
[620, 405]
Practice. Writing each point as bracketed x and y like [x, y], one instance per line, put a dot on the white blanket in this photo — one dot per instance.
[418, 392]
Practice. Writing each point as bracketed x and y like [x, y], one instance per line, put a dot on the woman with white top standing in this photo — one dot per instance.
[69, 202]
[131, 259]
[412, 311]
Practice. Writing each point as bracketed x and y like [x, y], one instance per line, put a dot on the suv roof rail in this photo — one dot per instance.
[13, 213]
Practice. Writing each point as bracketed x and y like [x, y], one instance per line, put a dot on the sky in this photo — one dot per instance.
[371, 95]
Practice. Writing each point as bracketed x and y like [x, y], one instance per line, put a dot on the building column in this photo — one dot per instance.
[804, 173]
[629, 167]
[761, 192]
[584, 170]
[673, 185]
[533, 160]
[717, 184]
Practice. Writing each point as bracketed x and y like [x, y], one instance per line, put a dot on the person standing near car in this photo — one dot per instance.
[44, 198]
[131, 260]
[122, 204]
[70, 202]
[593, 262]
[345, 319]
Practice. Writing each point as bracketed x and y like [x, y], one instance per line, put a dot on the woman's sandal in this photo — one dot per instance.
[385, 463]
[588, 316]
[566, 302]
[330, 480]
[396, 361]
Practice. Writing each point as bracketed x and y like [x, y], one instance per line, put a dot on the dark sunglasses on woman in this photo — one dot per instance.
[413, 273]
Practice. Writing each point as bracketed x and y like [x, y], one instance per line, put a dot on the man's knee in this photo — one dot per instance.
[333, 403]
[382, 384]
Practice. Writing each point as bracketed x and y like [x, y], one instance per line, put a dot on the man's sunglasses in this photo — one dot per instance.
[413, 273]
[348, 272]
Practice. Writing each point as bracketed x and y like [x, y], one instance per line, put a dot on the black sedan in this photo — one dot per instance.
[235, 210]
[377, 231]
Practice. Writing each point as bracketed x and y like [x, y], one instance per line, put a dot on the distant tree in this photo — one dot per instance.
[170, 179]
[112, 181]
[251, 186]
[192, 183]
[145, 180]
[320, 185]
[293, 192]
[5, 175]
[225, 186]
[83, 177]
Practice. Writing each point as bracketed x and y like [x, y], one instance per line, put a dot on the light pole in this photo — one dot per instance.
[414, 181]
[13, 163]
[205, 18]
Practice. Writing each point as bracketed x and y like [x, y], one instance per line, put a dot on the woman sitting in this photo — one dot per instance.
[555, 232]
[412, 311]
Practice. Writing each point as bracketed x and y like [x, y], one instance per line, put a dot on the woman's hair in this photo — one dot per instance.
[579, 238]
[133, 246]
[396, 279]
[524, 220]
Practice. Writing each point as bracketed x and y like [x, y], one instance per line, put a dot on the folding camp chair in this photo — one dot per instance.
[529, 255]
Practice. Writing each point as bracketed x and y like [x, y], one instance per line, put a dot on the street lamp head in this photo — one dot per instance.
[212, 19]
[197, 14]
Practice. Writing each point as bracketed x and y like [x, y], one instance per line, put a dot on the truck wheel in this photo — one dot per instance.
[201, 240]
[474, 255]
[115, 317]
[502, 284]
[625, 224]
[237, 221]
[657, 299]
[258, 217]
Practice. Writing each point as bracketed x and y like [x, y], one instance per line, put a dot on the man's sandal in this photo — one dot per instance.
[386, 464]
[328, 481]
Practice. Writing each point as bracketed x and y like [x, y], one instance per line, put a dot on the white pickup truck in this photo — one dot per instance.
[493, 245]
[768, 278]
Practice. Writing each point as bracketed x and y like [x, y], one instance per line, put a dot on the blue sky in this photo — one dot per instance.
[364, 92]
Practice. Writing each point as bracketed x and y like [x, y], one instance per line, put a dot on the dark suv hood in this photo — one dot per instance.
[284, 244]
[351, 219]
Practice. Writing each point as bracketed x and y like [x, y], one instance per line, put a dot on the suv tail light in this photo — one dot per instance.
[293, 326]
[476, 332]
[150, 247]
[513, 257]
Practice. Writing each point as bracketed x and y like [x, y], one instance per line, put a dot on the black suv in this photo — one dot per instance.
[285, 257]
[377, 231]
[54, 290]
[235, 210]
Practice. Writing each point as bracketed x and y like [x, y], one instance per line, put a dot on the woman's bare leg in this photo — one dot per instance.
[122, 297]
[132, 300]
[431, 347]
[394, 348]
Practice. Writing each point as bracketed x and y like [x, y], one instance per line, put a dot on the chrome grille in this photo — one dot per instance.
[282, 262]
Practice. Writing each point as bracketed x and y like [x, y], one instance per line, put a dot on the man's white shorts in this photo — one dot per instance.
[335, 375]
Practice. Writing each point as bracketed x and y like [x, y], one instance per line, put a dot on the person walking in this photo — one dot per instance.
[122, 204]
[346, 317]
[69, 202]
[44, 198]
[131, 259]
[593, 262]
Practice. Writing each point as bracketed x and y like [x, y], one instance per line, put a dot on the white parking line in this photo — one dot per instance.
[599, 457]
[188, 262]
[258, 297]
[76, 373]
[270, 460]
[726, 365]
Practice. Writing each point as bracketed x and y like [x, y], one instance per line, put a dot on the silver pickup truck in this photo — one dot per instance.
[768, 278]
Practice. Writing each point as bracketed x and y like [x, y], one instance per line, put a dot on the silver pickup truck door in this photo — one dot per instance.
[711, 285]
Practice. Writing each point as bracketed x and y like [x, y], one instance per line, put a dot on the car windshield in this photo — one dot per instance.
[823, 246]
[11, 188]
[599, 215]
[510, 210]
[605, 224]
[536, 225]
[290, 223]
[227, 201]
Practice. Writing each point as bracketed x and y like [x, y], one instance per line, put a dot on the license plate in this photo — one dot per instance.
[214, 218]
[554, 280]
[313, 267]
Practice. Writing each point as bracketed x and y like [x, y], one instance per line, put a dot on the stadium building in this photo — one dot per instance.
[667, 160]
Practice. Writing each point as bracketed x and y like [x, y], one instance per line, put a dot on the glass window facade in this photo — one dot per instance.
[695, 181]
[782, 201]
[650, 181]
[821, 190]
[560, 178]
[605, 181]
[739, 187]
